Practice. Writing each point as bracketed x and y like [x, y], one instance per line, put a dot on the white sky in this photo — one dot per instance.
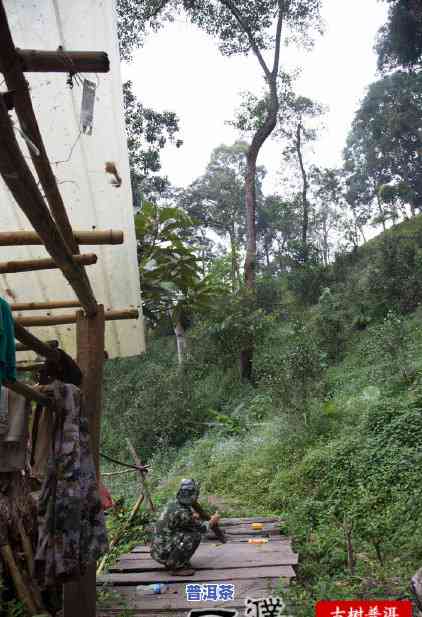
[180, 69]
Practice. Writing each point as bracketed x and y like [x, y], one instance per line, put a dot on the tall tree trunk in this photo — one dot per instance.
[250, 205]
[305, 203]
[259, 138]
[246, 355]
[381, 211]
[180, 341]
[234, 266]
[267, 253]
[325, 247]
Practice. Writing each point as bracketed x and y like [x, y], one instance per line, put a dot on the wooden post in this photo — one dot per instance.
[80, 596]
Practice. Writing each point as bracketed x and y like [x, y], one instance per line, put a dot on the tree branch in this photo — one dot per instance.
[281, 9]
[230, 5]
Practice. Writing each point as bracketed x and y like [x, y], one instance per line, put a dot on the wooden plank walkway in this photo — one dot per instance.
[254, 569]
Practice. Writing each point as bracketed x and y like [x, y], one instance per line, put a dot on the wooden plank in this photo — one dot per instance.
[31, 238]
[249, 520]
[229, 574]
[31, 265]
[241, 530]
[275, 544]
[23, 186]
[70, 318]
[217, 558]
[173, 597]
[63, 61]
[212, 540]
[243, 538]
[254, 561]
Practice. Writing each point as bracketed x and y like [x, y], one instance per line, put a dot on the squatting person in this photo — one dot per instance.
[178, 531]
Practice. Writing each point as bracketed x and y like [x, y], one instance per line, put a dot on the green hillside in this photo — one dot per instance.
[330, 435]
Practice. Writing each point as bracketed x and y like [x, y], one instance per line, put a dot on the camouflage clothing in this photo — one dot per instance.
[177, 536]
[72, 530]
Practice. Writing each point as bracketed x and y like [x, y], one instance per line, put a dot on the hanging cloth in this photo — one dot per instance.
[71, 524]
[14, 420]
[7, 343]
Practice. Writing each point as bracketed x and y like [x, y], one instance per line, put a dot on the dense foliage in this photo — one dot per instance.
[400, 39]
[326, 432]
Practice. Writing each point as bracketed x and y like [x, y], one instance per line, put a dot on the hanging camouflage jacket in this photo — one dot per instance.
[72, 530]
[177, 535]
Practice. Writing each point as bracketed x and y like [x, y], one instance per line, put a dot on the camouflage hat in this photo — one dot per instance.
[188, 492]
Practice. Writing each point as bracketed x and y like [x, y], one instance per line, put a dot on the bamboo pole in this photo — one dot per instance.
[31, 238]
[71, 318]
[20, 181]
[23, 593]
[38, 61]
[30, 393]
[30, 564]
[29, 367]
[30, 265]
[39, 306]
[116, 473]
[142, 475]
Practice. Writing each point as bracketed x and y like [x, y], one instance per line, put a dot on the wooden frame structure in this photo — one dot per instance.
[51, 227]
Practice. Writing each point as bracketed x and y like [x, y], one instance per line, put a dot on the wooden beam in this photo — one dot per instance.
[28, 392]
[20, 181]
[15, 80]
[40, 306]
[80, 597]
[70, 318]
[61, 61]
[30, 265]
[29, 238]
[22, 347]
[29, 367]
[33, 343]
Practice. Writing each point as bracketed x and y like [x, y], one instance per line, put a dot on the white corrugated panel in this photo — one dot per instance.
[78, 161]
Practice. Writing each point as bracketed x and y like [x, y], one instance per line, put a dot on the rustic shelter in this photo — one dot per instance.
[31, 183]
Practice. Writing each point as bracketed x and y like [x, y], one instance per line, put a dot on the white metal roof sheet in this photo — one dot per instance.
[78, 161]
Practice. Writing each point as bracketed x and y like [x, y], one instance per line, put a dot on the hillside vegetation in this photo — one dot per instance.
[330, 435]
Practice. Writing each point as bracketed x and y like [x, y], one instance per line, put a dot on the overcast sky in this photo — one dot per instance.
[180, 69]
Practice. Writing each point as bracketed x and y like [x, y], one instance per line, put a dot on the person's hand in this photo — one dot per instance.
[214, 520]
